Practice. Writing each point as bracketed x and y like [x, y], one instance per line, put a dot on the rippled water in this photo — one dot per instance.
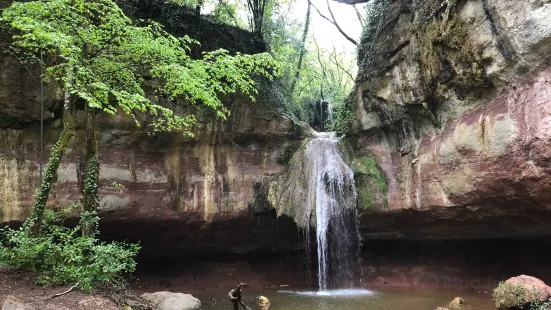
[390, 299]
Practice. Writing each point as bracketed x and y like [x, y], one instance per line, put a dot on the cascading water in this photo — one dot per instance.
[331, 200]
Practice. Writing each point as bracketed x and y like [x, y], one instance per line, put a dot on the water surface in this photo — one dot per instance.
[388, 299]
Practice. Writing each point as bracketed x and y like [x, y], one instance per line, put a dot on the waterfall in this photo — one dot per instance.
[331, 200]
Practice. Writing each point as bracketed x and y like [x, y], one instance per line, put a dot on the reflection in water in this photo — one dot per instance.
[332, 293]
[390, 299]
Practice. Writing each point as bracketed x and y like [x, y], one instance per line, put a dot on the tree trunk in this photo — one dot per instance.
[34, 221]
[198, 9]
[303, 48]
[91, 194]
[257, 9]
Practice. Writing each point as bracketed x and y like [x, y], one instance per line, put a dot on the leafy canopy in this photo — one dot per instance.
[325, 74]
[103, 58]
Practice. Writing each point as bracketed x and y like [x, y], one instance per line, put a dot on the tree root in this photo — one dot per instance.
[67, 291]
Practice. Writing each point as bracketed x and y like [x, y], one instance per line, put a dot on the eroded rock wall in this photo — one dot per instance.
[165, 190]
[166, 178]
[453, 102]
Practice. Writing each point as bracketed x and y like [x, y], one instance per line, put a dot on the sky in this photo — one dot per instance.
[326, 33]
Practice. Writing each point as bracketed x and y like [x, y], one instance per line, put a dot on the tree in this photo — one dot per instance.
[333, 21]
[105, 62]
[257, 10]
[303, 47]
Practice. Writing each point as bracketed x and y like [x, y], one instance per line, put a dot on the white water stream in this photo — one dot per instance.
[331, 198]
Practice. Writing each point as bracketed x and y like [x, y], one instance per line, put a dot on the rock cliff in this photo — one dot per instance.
[453, 101]
[452, 106]
[165, 190]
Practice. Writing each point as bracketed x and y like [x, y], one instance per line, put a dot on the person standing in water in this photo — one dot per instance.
[235, 297]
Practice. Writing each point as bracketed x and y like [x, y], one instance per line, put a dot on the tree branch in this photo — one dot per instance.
[337, 63]
[333, 21]
[322, 65]
[302, 48]
[360, 17]
[353, 2]
[67, 291]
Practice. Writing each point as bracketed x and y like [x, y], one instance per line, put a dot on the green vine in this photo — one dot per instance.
[91, 193]
[35, 219]
[367, 171]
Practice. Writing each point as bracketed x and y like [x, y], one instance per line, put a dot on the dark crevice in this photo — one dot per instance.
[396, 50]
[504, 45]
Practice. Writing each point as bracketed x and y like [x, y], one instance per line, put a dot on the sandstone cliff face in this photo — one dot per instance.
[454, 103]
[177, 192]
[172, 185]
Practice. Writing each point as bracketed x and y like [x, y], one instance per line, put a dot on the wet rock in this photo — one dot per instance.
[455, 115]
[12, 303]
[262, 302]
[457, 303]
[173, 301]
[521, 292]
[168, 180]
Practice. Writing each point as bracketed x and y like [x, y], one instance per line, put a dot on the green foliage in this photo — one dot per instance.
[118, 186]
[368, 172]
[102, 58]
[515, 296]
[374, 14]
[369, 166]
[62, 256]
[225, 12]
[325, 74]
[35, 219]
[91, 193]
[540, 305]
[342, 116]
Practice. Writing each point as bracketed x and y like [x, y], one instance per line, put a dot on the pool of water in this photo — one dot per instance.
[388, 299]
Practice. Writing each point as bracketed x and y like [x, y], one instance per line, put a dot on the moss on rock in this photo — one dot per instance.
[448, 56]
[371, 184]
[522, 292]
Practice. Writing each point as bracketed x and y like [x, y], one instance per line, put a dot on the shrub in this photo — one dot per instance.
[62, 255]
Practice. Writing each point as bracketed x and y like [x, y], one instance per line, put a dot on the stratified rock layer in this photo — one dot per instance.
[454, 104]
[165, 190]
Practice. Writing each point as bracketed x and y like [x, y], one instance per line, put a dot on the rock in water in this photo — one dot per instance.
[457, 303]
[12, 303]
[173, 301]
[521, 292]
[381, 281]
[262, 302]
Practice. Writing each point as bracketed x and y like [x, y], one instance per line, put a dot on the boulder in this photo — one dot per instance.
[12, 303]
[173, 301]
[521, 292]
[457, 303]
[262, 302]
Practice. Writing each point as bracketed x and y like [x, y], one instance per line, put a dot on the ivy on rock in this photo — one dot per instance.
[100, 58]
